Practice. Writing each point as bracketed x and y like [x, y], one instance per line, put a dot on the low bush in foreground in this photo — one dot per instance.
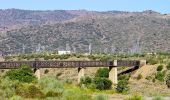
[135, 97]
[23, 74]
[168, 80]
[122, 86]
[160, 68]
[160, 76]
[102, 83]
[168, 66]
[51, 87]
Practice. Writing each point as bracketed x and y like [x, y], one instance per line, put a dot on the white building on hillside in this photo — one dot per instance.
[64, 52]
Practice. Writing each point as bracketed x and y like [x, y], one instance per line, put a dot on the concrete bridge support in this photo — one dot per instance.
[113, 73]
[37, 73]
[80, 74]
[142, 63]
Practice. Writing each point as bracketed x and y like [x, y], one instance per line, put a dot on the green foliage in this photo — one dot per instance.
[102, 72]
[139, 77]
[153, 80]
[74, 95]
[160, 76]
[124, 77]
[160, 68]
[29, 91]
[168, 66]
[68, 81]
[135, 97]
[86, 80]
[15, 97]
[152, 61]
[7, 87]
[168, 80]
[23, 74]
[101, 97]
[102, 83]
[148, 78]
[46, 71]
[157, 98]
[51, 86]
[122, 86]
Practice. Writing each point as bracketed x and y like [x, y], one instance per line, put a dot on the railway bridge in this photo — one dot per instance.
[80, 65]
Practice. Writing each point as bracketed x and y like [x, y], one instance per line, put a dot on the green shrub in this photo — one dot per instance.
[29, 91]
[74, 95]
[102, 83]
[135, 97]
[23, 74]
[51, 86]
[68, 81]
[168, 66]
[86, 80]
[102, 72]
[148, 78]
[160, 76]
[139, 77]
[153, 80]
[152, 61]
[101, 97]
[8, 87]
[122, 86]
[160, 68]
[46, 71]
[157, 98]
[91, 86]
[168, 80]
[15, 97]
[124, 77]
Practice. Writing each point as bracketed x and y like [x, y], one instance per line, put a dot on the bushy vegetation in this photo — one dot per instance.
[122, 86]
[51, 87]
[139, 77]
[160, 76]
[168, 66]
[102, 72]
[46, 71]
[100, 82]
[135, 97]
[168, 80]
[23, 74]
[160, 68]
[101, 97]
[157, 98]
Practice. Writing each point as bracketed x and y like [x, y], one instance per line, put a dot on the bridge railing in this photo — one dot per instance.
[67, 64]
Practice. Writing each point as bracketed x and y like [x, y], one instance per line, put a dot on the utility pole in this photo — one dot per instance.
[90, 49]
[23, 49]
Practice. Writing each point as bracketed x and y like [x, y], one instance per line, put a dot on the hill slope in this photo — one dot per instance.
[108, 32]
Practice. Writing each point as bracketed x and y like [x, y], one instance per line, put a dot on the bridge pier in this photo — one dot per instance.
[142, 63]
[113, 72]
[80, 74]
[37, 73]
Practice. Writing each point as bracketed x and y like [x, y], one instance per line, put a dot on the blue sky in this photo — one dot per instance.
[162, 6]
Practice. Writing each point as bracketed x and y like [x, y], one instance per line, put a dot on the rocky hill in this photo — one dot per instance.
[109, 32]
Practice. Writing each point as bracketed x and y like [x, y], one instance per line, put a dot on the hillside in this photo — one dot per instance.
[14, 18]
[109, 32]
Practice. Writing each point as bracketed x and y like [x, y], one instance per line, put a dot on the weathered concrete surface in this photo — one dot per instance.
[37, 73]
[80, 74]
[113, 75]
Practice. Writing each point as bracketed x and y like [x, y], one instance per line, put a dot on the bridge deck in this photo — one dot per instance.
[66, 64]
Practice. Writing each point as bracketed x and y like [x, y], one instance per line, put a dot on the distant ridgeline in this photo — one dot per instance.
[83, 31]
